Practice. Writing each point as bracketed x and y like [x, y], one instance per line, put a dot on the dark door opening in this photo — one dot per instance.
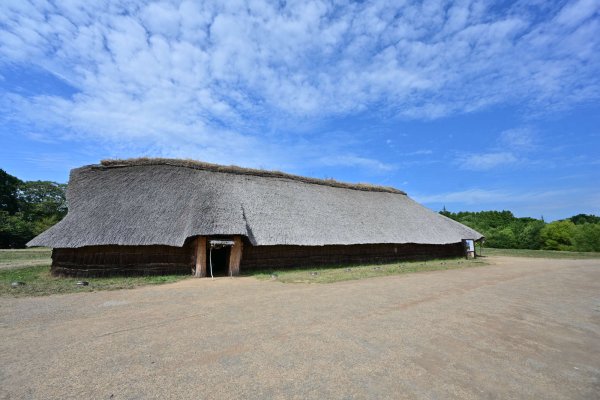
[219, 257]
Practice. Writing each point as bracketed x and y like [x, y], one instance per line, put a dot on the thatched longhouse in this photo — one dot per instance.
[147, 216]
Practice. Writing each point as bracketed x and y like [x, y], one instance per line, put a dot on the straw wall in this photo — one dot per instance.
[122, 260]
[159, 260]
[300, 256]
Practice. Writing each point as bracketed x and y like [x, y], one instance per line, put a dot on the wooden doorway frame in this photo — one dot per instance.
[235, 256]
[200, 270]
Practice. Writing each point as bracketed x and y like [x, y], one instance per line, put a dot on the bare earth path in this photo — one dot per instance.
[521, 328]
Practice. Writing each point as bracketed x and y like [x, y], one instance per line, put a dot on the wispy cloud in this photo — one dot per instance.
[487, 196]
[204, 79]
[356, 161]
[422, 152]
[576, 12]
[508, 150]
[486, 161]
[519, 139]
[552, 203]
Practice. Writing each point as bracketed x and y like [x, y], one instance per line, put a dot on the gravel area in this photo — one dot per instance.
[517, 329]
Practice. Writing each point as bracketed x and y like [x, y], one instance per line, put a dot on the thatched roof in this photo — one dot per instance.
[164, 202]
[233, 169]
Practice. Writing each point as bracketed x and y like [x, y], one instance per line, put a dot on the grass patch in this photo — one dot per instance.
[39, 282]
[345, 272]
[573, 255]
[18, 256]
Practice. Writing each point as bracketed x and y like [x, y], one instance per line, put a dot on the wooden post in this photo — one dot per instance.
[200, 257]
[235, 256]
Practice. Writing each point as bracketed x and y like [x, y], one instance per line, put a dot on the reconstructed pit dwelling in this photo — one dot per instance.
[163, 216]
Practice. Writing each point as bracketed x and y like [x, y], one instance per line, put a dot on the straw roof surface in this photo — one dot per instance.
[194, 164]
[165, 202]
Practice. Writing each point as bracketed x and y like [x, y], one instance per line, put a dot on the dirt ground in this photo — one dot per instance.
[517, 329]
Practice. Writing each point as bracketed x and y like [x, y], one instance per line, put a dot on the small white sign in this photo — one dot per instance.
[470, 245]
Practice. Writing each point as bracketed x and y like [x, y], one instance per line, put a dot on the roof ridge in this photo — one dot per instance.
[233, 169]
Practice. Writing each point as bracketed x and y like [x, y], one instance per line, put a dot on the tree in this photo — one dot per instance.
[587, 237]
[530, 236]
[446, 213]
[9, 186]
[28, 208]
[42, 199]
[503, 238]
[503, 230]
[580, 219]
[558, 235]
[15, 232]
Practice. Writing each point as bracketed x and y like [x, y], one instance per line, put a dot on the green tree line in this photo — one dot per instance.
[505, 231]
[28, 208]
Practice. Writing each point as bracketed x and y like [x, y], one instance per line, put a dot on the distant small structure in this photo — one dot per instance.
[157, 216]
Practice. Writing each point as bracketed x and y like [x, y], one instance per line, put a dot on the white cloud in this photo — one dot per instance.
[576, 12]
[553, 204]
[508, 150]
[470, 196]
[423, 152]
[355, 161]
[486, 161]
[190, 76]
[518, 139]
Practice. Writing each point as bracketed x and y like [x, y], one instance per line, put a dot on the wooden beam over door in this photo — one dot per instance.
[200, 257]
[235, 256]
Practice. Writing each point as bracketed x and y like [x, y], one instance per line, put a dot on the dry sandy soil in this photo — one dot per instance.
[519, 328]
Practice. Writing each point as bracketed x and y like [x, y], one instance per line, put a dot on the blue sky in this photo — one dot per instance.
[474, 105]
